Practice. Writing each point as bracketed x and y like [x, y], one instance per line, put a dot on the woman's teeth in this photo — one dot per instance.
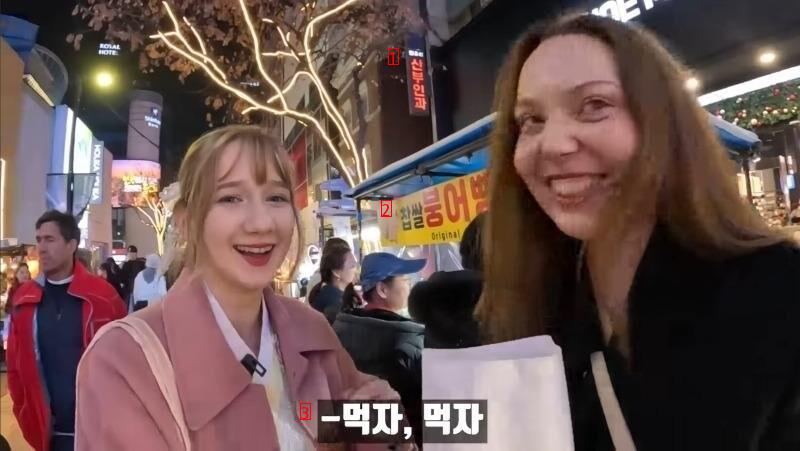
[253, 250]
[574, 186]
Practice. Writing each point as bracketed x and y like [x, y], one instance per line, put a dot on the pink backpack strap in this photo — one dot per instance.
[159, 363]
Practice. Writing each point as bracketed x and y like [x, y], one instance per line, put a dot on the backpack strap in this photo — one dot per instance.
[160, 366]
[617, 427]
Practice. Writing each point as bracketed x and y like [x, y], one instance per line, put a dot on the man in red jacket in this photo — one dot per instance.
[55, 318]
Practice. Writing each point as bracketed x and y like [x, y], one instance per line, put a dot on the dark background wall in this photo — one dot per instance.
[717, 38]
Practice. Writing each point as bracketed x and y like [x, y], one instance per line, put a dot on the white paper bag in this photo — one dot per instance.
[524, 383]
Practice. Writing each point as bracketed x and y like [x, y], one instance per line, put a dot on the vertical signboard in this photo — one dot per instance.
[144, 126]
[97, 169]
[417, 76]
[298, 155]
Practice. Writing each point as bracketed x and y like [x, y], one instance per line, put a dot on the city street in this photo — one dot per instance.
[412, 189]
[8, 425]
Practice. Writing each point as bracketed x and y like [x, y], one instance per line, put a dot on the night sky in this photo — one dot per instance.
[106, 113]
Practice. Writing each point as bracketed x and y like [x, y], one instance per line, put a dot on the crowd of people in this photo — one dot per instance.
[613, 227]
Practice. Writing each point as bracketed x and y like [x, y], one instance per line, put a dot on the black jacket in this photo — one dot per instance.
[445, 303]
[715, 353]
[389, 346]
[328, 301]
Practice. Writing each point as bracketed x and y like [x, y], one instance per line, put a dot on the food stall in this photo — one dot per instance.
[425, 201]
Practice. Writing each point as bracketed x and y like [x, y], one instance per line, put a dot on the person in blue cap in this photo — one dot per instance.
[381, 341]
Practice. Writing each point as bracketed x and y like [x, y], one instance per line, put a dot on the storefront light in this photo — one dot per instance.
[371, 233]
[750, 86]
[767, 57]
[692, 84]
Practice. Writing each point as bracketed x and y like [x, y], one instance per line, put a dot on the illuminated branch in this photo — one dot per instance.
[177, 42]
[281, 53]
[327, 102]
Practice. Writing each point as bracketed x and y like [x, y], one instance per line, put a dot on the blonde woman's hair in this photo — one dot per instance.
[198, 183]
[528, 261]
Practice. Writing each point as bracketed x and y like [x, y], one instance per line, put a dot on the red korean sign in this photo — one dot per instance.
[417, 77]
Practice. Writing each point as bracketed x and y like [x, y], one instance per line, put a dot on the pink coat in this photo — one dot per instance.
[120, 407]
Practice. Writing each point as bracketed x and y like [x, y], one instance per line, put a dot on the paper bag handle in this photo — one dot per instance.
[620, 434]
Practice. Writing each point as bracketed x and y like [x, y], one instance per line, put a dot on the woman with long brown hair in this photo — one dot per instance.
[634, 250]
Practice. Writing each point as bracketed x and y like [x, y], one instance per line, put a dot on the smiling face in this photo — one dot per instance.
[576, 134]
[249, 225]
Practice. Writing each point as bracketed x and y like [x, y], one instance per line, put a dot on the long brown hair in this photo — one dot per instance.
[197, 181]
[334, 256]
[680, 161]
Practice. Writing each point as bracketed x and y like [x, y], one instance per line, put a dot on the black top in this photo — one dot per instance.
[328, 301]
[59, 320]
[130, 269]
[445, 303]
[715, 353]
[387, 345]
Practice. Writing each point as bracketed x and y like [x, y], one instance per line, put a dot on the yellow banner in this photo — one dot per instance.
[435, 215]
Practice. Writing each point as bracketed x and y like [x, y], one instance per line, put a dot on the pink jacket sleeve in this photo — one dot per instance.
[109, 413]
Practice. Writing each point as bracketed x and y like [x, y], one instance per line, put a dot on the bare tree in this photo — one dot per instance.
[256, 51]
[155, 213]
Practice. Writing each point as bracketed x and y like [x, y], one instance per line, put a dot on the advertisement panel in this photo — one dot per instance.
[131, 180]
[438, 214]
[82, 164]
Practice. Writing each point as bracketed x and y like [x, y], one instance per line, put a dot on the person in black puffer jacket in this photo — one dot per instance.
[382, 342]
[446, 301]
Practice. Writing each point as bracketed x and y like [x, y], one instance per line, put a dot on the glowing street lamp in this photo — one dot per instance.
[104, 79]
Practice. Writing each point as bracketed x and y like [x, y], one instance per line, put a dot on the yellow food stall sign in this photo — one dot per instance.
[435, 215]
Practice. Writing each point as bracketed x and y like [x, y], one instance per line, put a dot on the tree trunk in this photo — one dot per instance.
[361, 114]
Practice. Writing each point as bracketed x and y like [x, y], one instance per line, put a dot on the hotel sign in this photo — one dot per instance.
[108, 49]
[625, 10]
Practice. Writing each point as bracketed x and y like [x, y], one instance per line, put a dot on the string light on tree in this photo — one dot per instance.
[276, 104]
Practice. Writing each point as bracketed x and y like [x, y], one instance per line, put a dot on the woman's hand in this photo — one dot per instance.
[375, 390]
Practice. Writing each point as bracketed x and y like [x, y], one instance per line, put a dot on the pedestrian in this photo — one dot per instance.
[338, 270]
[332, 243]
[55, 317]
[445, 302]
[380, 340]
[149, 284]
[111, 272]
[21, 275]
[130, 269]
[236, 357]
[617, 228]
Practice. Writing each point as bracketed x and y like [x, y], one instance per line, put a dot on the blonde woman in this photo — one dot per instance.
[238, 358]
[616, 227]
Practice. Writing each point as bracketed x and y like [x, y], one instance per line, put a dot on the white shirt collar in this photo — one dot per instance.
[239, 348]
[62, 281]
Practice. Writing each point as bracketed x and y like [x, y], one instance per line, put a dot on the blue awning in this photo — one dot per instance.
[466, 151]
[461, 153]
[734, 137]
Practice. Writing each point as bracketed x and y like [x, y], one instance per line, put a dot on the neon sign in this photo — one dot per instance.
[107, 49]
[416, 75]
